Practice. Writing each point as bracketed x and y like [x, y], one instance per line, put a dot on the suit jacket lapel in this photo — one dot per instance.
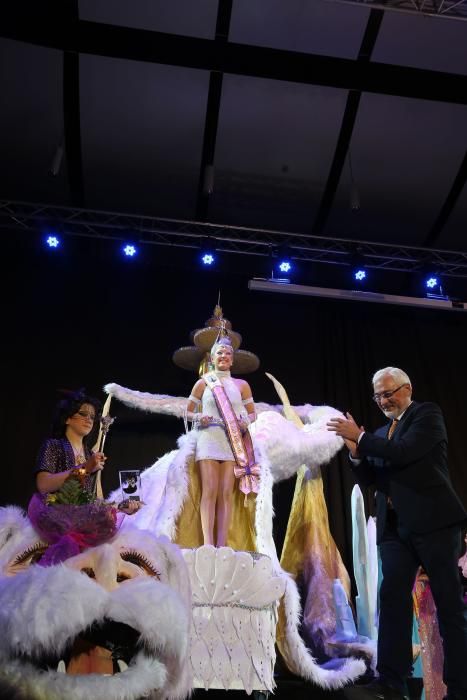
[405, 422]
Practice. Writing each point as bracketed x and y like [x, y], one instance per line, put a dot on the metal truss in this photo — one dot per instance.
[451, 9]
[39, 218]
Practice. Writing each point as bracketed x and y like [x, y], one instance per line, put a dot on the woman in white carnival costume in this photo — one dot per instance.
[225, 409]
[298, 443]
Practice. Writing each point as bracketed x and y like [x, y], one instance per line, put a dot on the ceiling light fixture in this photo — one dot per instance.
[444, 304]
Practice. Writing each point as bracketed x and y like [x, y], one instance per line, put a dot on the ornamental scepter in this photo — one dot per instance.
[105, 423]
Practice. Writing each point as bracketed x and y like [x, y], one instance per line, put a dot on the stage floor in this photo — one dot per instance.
[296, 689]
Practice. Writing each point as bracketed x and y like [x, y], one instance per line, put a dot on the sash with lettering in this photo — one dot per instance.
[246, 469]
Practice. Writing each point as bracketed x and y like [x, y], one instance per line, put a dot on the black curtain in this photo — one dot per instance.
[83, 316]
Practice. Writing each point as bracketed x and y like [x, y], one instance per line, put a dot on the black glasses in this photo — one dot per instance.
[86, 414]
[386, 394]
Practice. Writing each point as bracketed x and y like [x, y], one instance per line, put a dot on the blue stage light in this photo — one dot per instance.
[285, 266]
[360, 274]
[53, 241]
[433, 284]
[129, 250]
[208, 259]
[283, 262]
[207, 255]
[357, 262]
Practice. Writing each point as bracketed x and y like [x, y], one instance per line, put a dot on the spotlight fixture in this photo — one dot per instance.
[434, 286]
[284, 263]
[207, 253]
[431, 282]
[208, 179]
[56, 163]
[354, 195]
[443, 304]
[358, 268]
[208, 259]
[53, 241]
[360, 274]
[129, 250]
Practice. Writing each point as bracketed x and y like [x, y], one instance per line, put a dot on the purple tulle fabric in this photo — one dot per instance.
[70, 529]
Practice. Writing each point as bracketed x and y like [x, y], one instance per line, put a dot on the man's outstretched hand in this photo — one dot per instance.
[348, 430]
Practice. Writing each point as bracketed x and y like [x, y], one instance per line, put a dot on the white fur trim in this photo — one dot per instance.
[16, 534]
[43, 608]
[286, 447]
[153, 403]
[299, 660]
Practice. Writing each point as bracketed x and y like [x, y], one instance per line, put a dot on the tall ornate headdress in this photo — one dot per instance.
[223, 337]
[197, 357]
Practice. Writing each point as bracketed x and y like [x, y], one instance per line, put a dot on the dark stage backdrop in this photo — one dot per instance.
[82, 318]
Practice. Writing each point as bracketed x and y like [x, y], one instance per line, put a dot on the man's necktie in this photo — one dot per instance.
[392, 427]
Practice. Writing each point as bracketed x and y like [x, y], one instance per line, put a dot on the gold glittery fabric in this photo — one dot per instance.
[311, 556]
[309, 552]
[241, 535]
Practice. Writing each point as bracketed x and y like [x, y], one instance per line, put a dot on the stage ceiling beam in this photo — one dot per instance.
[446, 210]
[44, 24]
[72, 115]
[206, 173]
[347, 126]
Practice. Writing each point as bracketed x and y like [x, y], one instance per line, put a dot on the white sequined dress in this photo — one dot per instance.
[212, 442]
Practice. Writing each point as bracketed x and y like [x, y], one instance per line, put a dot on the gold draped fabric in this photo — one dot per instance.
[309, 552]
[241, 534]
[311, 556]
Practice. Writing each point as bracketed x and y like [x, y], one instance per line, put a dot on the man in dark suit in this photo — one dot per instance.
[418, 519]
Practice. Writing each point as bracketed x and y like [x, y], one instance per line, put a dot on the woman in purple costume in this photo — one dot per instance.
[69, 447]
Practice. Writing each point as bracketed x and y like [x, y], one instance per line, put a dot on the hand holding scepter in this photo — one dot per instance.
[105, 423]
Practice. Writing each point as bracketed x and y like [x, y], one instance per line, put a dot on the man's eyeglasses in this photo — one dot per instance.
[386, 394]
[86, 414]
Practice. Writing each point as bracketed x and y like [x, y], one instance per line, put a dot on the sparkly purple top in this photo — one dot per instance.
[56, 455]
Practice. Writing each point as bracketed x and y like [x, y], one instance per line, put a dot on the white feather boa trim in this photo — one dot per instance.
[43, 608]
[338, 672]
[153, 403]
[167, 479]
[285, 447]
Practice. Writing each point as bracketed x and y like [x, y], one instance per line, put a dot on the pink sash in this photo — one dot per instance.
[246, 469]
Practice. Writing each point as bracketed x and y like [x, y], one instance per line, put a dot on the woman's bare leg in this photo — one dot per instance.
[209, 470]
[224, 501]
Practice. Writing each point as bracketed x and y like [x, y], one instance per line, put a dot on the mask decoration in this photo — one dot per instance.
[112, 622]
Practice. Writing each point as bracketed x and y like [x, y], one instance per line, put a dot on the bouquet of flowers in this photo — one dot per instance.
[71, 520]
